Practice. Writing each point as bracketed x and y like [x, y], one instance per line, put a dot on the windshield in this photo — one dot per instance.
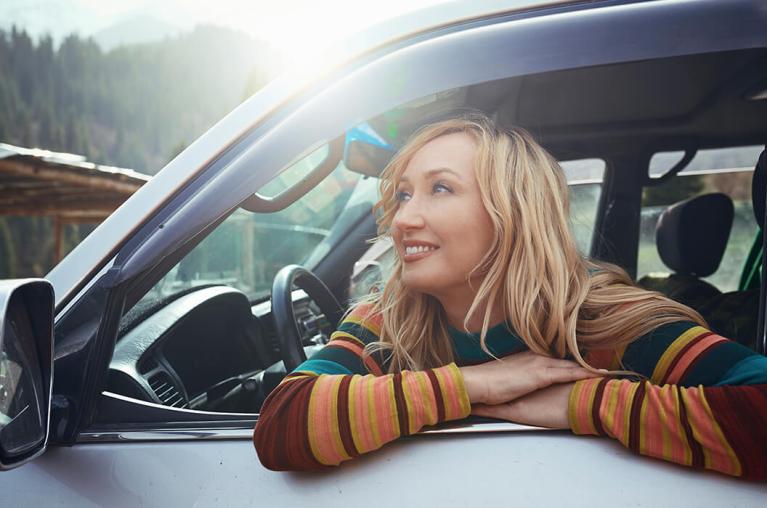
[247, 249]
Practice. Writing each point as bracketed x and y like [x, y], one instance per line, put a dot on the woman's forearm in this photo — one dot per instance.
[473, 381]
[723, 428]
[311, 421]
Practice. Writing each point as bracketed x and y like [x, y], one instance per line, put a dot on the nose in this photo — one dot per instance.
[409, 216]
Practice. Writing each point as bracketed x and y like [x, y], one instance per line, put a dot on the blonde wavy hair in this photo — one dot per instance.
[555, 300]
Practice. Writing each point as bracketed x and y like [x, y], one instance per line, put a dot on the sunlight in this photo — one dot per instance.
[301, 30]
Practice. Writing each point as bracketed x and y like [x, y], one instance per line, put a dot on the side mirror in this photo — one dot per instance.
[366, 275]
[26, 369]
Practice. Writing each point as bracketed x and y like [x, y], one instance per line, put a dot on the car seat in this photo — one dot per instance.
[735, 314]
[691, 237]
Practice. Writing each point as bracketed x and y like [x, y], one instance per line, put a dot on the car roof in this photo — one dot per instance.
[672, 103]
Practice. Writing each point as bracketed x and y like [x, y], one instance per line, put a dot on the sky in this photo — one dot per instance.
[292, 25]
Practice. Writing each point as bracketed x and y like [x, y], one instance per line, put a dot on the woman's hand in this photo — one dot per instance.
[515, 376]
[544, 408]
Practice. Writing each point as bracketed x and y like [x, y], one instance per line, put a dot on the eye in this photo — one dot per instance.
[440, 188]
[401, 196]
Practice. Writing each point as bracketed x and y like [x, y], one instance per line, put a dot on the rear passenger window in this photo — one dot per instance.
[584, 178]
[727, 170]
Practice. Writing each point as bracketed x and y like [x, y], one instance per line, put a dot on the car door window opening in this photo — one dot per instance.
[226, 257]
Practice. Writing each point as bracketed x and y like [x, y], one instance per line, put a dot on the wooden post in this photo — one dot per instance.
[58, 232]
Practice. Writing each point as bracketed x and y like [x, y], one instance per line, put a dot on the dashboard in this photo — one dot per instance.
[209, 349]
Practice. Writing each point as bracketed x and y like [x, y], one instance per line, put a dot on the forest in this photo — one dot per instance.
[138, 106]
[135, 106]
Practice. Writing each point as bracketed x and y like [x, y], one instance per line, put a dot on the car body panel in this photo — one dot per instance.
[539, 468]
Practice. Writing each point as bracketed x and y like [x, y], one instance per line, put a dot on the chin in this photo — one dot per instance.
[421, 283]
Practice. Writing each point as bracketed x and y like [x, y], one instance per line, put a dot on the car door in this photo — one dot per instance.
[150, 454]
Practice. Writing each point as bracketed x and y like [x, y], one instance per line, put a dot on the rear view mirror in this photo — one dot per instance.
[26, 369]
[301, 179]
[365, 152]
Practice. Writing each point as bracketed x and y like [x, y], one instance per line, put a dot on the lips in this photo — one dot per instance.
[415, 250]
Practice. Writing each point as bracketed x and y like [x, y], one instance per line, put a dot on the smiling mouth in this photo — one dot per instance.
[417, 252]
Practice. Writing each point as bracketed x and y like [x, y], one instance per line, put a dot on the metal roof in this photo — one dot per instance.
[41, 182]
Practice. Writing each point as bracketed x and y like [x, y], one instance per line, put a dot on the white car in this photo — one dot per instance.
[140, 381]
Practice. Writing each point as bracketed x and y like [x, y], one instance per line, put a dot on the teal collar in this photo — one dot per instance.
[500, 341]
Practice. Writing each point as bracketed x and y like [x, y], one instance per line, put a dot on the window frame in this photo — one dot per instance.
[564, 37]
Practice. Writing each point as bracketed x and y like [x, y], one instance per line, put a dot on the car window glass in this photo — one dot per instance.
[717, 159]
[374, 267]
[584, 178]
[247, 249]
[295, 172]
[728, 171]
[201, 362]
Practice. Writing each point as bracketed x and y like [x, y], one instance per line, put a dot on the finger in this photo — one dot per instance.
[561, 363]
[588, 372]
[566, 375]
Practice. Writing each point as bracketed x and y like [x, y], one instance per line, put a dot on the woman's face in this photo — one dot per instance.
[441, 229]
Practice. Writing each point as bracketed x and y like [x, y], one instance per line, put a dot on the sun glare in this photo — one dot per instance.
[304, 31]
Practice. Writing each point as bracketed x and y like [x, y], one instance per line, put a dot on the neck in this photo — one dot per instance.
[457, 307]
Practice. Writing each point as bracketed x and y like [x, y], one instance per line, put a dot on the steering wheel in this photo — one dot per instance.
[291, 348]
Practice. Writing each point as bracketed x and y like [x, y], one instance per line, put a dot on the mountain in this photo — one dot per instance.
[135, 30]
[134, 106]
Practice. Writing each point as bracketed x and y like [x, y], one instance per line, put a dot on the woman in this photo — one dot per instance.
[492, 311]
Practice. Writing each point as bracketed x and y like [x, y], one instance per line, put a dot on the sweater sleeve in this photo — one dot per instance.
[704, 405]
[336, 405]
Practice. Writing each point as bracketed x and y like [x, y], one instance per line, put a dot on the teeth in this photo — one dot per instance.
[417, 249]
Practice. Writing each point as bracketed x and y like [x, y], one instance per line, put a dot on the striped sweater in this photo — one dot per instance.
[704, 403]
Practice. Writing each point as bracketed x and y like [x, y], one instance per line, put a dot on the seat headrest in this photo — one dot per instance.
[691, 235]
[759, 188]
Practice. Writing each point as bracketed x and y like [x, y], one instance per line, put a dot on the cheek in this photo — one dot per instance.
[477, 231]
[471, 239]
[395, 232]
[486, 233]
[484, 238]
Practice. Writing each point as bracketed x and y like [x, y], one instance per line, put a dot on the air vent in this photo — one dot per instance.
[166, 390]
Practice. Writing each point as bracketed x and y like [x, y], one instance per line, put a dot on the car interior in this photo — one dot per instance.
[212, 346]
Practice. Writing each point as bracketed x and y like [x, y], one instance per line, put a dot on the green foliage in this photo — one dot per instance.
[26, 246]
[135, 106]
[7, 249]
[130, 106]
[676, 189]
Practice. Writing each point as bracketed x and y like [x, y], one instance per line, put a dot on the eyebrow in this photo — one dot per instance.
[433, 172]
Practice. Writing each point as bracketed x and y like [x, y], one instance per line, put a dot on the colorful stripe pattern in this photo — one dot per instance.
[702, 403]
[680, 414]
[317, 418]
